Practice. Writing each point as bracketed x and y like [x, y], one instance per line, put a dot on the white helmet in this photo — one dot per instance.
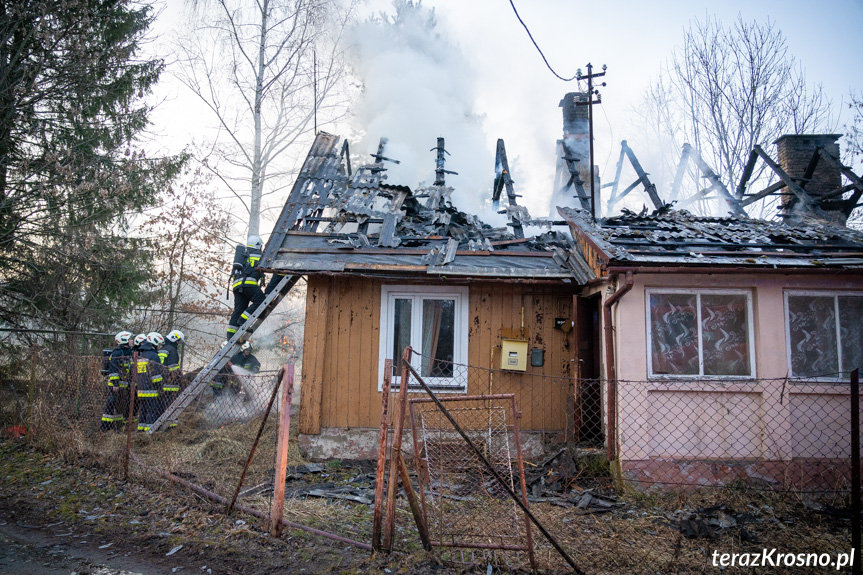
[255, 242]
[175, 336]
[245, 346]
[140, 338]
[155, 338]
[123, 337]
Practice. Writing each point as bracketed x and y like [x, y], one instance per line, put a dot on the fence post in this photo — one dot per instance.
[31, 394]
[398, 431]
[855, 471]
[382, 456]
[130, 421]
[282, 451]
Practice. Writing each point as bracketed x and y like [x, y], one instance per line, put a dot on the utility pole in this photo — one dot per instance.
[591, 92]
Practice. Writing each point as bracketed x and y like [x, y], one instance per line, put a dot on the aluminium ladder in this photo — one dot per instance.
[188, 395]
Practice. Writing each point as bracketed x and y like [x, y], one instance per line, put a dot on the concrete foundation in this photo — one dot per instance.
[798, 474]
[340, 443]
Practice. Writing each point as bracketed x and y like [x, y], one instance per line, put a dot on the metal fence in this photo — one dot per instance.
[699, 467]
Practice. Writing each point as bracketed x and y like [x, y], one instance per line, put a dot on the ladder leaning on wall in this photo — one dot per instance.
[185, 397]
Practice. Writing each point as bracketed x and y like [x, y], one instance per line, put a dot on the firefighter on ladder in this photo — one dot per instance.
[246, 282]
[117, 401]
[149, 372]
[169, 356]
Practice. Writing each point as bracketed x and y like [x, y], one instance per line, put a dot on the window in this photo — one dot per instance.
[433, 321]
[824, 333]
[700, 333]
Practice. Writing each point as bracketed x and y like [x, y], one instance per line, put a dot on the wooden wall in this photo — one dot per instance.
[342, 332]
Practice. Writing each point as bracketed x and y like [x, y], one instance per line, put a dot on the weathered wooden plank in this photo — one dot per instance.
[317, 297]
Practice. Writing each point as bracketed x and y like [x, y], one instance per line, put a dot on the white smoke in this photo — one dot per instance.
[417, 86]
[244, 399]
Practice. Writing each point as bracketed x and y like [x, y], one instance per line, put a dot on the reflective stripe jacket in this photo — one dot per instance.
[249, 275]
[171, 366]
[118, 366]
[149, 371]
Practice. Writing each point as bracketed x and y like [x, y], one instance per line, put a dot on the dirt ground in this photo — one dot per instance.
[57, 517]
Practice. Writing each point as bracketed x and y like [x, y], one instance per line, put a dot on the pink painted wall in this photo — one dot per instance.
[767, 418]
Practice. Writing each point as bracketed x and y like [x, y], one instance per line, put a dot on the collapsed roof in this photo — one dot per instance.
[338, 221]
[676, 237]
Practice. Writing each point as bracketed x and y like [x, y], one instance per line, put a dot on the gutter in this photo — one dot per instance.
[611, 371]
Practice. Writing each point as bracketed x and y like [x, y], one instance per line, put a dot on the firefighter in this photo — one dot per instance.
[170, 359]
[222, 378]
[149, 372]
[117, 401]
[245, 359]
[246, 282]
[139, 339]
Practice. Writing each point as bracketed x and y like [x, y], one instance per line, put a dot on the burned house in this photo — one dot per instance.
[737, 330]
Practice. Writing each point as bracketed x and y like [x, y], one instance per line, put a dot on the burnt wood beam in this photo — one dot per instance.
[504, 180]
[648, 185]
[845, 171]
[733, 203]
[772, 188]
[613, 199]
[804, 198]
[698, 196]
[747, 173]
[681, 170]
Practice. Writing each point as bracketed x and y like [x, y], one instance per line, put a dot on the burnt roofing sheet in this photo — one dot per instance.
[669, 237]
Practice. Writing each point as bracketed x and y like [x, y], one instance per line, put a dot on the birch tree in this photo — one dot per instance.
[264, 69]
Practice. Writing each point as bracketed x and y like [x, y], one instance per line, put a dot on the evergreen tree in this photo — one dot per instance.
[72, 84]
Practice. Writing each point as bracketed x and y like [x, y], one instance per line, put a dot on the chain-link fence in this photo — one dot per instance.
[699, 467]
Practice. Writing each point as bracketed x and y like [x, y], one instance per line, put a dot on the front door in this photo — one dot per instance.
[588, 398]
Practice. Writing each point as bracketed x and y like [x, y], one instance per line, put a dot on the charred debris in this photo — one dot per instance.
[338, 219]
[341, 220]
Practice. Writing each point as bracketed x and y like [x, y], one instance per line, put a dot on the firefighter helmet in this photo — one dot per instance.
[140, 338]
[123, 337]
[245, 346]
[175, 336]
[255, 242]
[155, 338]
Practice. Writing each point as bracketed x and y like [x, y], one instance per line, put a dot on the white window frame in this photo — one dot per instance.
[698, 292]
[816, 293]
[389, 293]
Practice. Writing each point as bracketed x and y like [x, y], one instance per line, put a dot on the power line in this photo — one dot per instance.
[577, 75]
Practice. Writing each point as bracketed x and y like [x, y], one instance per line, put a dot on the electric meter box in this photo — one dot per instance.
[513, 355]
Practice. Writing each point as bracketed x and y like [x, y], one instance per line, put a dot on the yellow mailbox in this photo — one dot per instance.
[513, 355]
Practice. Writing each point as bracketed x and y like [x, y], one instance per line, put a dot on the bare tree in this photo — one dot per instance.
[727, 89]
[854, 129]
[263, 68]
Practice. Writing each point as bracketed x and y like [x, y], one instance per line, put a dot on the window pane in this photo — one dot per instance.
[725, 334]
[812, 324]
[438, 337]
[851, 332]
[401, 332]
[674, 332]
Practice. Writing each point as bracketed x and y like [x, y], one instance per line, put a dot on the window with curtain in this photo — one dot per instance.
[700, 333]
[824, 333]
[433, 321]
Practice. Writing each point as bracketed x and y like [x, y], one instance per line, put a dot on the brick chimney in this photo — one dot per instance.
[795, 152]
[575, 145]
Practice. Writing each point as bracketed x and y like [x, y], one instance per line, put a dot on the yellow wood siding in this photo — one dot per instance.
[342, 336]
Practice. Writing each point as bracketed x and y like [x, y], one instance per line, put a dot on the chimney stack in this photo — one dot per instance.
[573, 150]
[795, 152]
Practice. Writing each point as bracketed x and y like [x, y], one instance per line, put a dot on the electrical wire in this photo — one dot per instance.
[526, 29]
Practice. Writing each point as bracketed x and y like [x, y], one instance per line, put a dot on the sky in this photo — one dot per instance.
[499, 86]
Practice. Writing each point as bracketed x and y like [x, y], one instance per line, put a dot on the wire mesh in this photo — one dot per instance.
[464, 504]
